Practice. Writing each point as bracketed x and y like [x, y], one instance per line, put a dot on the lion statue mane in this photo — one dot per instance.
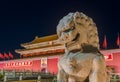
[82, 61]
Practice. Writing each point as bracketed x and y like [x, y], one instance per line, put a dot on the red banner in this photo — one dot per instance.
[19, 63]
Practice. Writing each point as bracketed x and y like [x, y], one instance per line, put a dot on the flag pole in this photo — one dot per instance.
[4, 56]
[106, 42]
[118, 40]
[119, 45]
[9, 55]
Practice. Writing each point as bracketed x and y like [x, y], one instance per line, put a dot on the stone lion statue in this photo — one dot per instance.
[82, 61]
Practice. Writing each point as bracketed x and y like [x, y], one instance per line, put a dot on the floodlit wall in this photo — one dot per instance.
[31, 65]
[115, 62]
[112, 59]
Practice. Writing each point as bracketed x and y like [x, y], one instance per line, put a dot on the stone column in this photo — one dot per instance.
[2, 71]
[24, 72]
[39, 78]
[14, 73]
[5, 78]
[20, 77]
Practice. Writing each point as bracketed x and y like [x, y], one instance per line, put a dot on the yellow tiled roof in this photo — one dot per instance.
[42, 39]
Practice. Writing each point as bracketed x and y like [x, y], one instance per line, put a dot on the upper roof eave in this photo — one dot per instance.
[41, 40]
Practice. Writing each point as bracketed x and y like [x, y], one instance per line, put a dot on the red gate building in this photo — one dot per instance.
[43, 54]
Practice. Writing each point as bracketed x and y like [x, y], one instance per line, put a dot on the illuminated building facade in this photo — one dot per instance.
[43, 53]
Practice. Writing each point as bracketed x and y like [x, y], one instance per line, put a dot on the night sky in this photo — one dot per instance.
[22, 20]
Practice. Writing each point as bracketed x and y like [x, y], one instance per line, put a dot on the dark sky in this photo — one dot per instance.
[22, 20]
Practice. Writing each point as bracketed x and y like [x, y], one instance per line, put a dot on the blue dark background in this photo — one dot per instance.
[22, 20]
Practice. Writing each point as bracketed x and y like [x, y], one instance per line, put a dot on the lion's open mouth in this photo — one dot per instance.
[77, 36]
[74, 41]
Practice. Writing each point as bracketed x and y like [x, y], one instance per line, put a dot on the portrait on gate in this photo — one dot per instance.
[44, 62]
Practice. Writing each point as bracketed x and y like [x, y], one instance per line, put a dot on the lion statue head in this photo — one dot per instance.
[78, 32]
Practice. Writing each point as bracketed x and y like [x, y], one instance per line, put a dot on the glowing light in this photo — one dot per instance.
[108, 57]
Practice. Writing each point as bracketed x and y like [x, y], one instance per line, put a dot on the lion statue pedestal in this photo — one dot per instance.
[82, 61]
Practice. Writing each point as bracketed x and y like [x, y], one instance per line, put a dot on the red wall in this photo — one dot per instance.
[115, 63]
[52, 64]
[36, 65]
